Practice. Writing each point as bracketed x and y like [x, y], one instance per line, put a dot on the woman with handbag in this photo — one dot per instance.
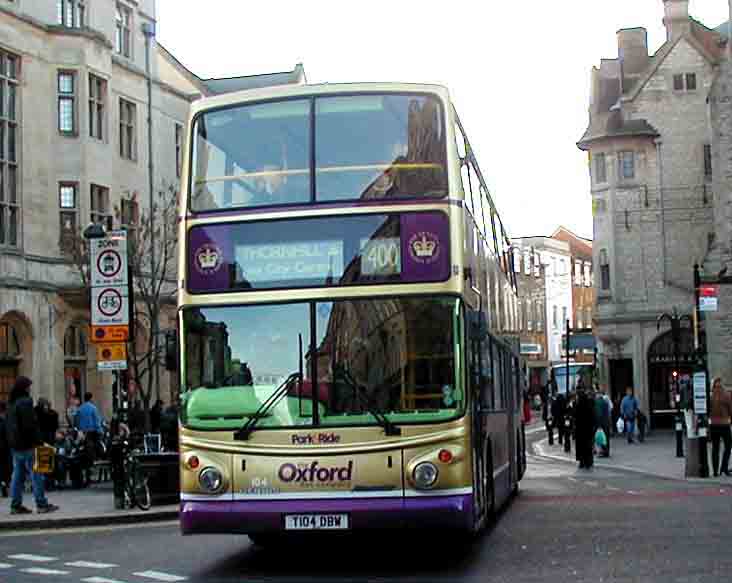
[24, 435]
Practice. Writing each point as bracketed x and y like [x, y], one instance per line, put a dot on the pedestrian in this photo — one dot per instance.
[720, 415]
[559, 410]
[24, 434]
[527, 408]
[169, 426]
[6, 462]
[546, 412]
[47, 420]
[629, 411]
[642, 424]
[89, 422]
[155, 413]
[603, 419]
[71, 410]
[584, 429]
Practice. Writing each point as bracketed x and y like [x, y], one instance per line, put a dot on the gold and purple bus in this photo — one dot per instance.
[347, 317]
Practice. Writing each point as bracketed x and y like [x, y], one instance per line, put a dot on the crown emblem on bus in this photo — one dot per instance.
[424, 247]
[208, 258]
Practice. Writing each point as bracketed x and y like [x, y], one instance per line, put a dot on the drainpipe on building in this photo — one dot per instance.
[148, 30]
[658, 143]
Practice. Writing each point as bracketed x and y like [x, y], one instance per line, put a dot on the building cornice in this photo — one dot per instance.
[57, 29]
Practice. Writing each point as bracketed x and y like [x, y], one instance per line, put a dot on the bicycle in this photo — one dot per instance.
[137, 490]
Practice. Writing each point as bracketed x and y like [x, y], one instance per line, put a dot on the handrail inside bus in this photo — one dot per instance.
[323, 170]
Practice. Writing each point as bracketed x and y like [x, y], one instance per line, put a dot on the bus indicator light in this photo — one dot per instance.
[445, 456]
[193, 462]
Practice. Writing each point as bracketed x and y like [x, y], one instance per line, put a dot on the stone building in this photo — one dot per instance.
[74, 149]
[649, 140]
[719, 324]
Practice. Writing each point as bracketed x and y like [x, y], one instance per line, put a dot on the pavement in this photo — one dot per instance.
[656, 456]
[84, 507]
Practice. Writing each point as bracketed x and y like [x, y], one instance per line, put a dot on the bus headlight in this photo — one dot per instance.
[211, 480]
[425, 475]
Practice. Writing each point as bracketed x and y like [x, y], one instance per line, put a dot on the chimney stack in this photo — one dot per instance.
[676, 18]
[633, 50]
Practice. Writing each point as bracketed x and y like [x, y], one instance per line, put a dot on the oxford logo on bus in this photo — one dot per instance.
[208, 258]
[424, 247]
[315, 473]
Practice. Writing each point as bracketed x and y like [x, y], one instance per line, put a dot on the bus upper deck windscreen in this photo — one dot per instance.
[366, 146]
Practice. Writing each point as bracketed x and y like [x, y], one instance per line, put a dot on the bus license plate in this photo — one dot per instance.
[316, 522]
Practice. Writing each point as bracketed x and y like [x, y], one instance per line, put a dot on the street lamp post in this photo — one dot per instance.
[675, 321]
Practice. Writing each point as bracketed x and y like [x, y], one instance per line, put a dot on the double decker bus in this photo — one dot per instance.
[347, 317]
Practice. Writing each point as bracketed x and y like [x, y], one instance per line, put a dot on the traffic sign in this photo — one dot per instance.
[108, 257]
[110, 334]
[109, 306]
[112, 356]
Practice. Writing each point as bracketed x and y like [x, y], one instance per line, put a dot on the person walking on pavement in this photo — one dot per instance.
[546, 411]
[24, 435]
[720, 415]
[603, 418]
[89, 422]
[584, 429]
[559, 409]
[6, 462]
[47, 420]
[629, 411]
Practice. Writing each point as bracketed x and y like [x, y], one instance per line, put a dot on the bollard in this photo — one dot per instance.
[116, 453]
[679, 436]
[550, 431]
[567, 435]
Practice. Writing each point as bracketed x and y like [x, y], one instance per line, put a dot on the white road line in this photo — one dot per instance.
[612, 488]
[6, 566]
[158, 576]
[39, 571]
[90, 565]
[101, 580]
[571, 479]
[33, 558]
[593, 484]
[633, 492]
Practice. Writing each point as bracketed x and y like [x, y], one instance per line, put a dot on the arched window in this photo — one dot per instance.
[9, 345]
[75, 345]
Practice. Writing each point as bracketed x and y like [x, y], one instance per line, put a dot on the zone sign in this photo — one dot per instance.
[109, 260]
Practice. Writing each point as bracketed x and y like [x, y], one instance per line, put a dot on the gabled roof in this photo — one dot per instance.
[703, 39]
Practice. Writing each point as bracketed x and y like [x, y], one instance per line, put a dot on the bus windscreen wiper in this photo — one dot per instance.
[358, 390]
[244, 433]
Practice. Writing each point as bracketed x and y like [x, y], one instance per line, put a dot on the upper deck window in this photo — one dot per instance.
[366, 147]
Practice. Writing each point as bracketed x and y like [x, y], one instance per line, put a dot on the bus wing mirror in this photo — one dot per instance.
[171, 350]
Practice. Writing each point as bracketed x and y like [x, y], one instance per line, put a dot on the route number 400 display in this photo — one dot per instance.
[381, 256]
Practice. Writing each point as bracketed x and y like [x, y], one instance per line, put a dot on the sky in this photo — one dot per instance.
[518, 72]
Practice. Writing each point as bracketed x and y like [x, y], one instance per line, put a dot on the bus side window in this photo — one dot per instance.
[497, 354]
[486, 395]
